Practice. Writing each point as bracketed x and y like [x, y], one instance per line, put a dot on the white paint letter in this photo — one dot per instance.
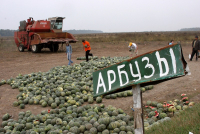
[110, 82]
[100, 83]
[149, 66]
[122, 72]
[173, 59]
[160, 64]
[138, 70]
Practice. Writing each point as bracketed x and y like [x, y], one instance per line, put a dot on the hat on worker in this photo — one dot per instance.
[196, 36]
[130, 43]
[83, 40]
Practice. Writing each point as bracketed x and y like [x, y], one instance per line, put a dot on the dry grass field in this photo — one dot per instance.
[13, 62]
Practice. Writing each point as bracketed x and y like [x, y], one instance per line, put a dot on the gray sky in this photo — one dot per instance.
[105, 15]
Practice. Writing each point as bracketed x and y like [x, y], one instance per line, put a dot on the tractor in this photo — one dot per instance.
[36, 35]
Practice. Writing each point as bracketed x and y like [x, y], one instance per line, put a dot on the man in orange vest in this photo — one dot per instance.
[86, 46]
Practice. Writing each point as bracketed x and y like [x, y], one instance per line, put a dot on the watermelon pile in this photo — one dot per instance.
[72, 120]
[61, 86]
[156, 112]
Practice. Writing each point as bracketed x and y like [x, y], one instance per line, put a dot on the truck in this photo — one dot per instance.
[36, 35]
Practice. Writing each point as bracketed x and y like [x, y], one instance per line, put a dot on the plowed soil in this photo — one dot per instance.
[13, 62]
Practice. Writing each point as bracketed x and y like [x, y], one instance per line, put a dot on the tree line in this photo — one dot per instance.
[7, 32]
[190, 29]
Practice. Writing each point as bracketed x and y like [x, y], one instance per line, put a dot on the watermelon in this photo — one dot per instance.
[191, 104]
[171, 109]
[29, 126]
[142, 89]
[185, 99]
[159, 105]
[74, 130]
[22, 106]
[183, 95]
[129, 93]
[6, 117]
[107, 96]
[53, 105]
[162, 115]
[116, 130]
[151, 114]
[105, 131]
[154, 103]
[178, 107]
[185, 107]
[112, 126]
[148, 103]
[44, 104]
[2, 130]
[113, 96]
[98, 99]
[15, 104]
[88, 126]
[93, 130]
[123, 128]
[90, 100]
[146, 124]
[124, 94]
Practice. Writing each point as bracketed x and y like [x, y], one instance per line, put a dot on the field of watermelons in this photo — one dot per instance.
[39, 93]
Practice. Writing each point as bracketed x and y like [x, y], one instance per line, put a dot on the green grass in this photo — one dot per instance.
[187, 121]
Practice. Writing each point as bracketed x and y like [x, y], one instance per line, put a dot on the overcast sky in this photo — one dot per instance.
[105, 15]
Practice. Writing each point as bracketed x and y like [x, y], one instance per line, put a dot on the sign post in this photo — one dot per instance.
[138, 111]
[165, 63]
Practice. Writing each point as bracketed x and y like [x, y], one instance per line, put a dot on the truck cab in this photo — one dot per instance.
[56, 24]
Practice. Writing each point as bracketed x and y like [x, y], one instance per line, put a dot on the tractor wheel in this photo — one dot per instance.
[35, 48]
[21, 48]
[54, 48]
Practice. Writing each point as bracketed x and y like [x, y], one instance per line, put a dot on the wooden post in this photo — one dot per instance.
[138, 111]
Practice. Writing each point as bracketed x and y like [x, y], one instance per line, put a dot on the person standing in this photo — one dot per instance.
[87, 48]
[195, 48]
[172, 42]
[69, 52]
[133, 48]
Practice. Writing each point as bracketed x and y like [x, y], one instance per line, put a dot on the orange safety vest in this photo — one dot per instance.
[88, 45]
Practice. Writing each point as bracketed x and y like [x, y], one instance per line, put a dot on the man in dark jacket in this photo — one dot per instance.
[195, 48]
